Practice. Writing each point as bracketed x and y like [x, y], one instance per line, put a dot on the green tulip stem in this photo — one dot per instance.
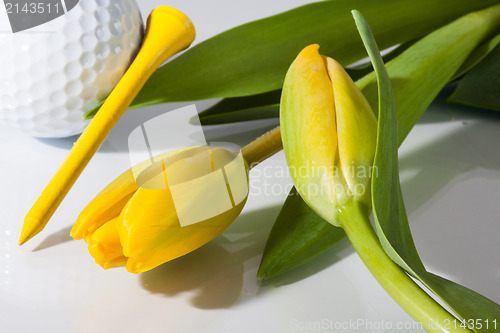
[263, 147]
[354, 219]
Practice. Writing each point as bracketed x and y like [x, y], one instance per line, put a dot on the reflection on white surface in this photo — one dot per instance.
[452, 194]
[451, 169]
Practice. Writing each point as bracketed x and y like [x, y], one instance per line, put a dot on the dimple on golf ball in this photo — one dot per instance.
[52, 73]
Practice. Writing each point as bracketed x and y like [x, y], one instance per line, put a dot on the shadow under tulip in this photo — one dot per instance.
[214, 272]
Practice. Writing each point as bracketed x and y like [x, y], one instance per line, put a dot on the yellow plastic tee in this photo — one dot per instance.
[168, 31]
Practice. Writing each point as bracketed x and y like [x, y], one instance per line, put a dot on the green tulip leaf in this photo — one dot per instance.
[387, 200]
[480, 87]
[297, 236]
[266, 105]
[253, 58]
[417, 75]
[388, 207]
[261, 106]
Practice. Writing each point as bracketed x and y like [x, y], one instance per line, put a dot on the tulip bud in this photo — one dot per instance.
[329, 133]
[179, 203]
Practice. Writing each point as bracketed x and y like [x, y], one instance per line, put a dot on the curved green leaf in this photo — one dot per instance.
[388, 207]
[387, 200]
[253, 58]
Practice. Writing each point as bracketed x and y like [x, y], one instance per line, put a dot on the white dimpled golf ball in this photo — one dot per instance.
[51, 74]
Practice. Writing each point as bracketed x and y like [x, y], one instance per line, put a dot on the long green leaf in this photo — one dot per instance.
[266, 105]
[388, 207]
[387, 200]
[420, 72]
[253, 58]
[299, 245]
[480, 87]
[260, 106]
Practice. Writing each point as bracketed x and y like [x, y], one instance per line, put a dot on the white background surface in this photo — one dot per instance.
[450, 169]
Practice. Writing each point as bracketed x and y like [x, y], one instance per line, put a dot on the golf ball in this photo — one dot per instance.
[52, 73]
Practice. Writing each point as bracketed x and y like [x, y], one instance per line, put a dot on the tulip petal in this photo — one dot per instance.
[151, 232]
[106, 206]
[307, 118]
[357, 133]
[104, 245]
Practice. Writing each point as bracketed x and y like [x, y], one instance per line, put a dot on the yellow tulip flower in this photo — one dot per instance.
[329, 133]
[170, 208]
